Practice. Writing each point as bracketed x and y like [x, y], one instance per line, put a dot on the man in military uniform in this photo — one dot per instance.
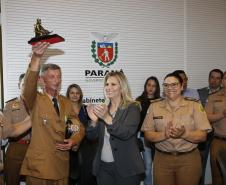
[13, 130]
[15, 112]
[4, 129]
[47, 157]
[215, 79]
[216, 112]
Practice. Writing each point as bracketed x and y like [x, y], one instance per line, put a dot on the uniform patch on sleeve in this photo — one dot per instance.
[201, 108]
[16, 105]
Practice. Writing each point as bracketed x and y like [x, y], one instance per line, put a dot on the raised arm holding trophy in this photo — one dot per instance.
[47, 158]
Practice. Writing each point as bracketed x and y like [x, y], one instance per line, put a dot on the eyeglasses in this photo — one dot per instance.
[172, 85]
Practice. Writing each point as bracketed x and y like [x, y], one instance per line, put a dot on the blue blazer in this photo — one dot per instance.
[123, 141]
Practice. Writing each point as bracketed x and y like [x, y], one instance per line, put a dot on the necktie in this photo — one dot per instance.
[55, 104]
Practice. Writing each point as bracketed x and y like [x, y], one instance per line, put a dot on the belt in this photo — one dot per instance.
[175, 153]
[23, 142]
[221, 138]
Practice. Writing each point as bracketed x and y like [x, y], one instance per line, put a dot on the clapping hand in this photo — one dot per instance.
[90, 111]
[174, 131]
[177, 132]
[101, 110]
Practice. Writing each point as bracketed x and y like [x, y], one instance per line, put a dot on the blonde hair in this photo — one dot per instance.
[125, 89]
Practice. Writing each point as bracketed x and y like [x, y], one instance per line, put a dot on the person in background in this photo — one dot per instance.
[8, 129]
[151, 92]
[15, 111]
[187, 92]
[13, 130]
[215, 79]
[81, 159]
[118, 160]
[47, 157]
[216, 112]
[176, 124]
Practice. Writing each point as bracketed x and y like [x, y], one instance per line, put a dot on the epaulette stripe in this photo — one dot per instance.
[214, 92]
[157, 100]
[191, 99]
[11, 100]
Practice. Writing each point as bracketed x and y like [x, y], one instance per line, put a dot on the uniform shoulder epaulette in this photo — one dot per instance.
[191, 99]
[157, 100]
[11, 100]
[215, 92]
[64, 97]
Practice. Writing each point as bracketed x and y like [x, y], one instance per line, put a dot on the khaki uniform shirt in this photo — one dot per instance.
[15, 112]
[42, 159]
[5, 129]
[189, 113]
[216, 104]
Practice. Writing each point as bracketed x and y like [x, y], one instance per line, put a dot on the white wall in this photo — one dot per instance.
[151, 38]
[206, 39]
[155, 38]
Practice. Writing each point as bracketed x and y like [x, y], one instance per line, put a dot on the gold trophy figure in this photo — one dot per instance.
[43, 35]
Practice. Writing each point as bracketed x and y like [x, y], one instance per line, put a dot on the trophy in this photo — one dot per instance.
[43, 35]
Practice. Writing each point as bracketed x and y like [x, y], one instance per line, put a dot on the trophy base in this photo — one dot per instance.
[52, 39]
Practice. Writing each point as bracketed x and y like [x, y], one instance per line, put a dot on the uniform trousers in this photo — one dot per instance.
[36, 181]
[1, 180]
[14, 158]
[108, 175]
[216, 146]
[183, 169]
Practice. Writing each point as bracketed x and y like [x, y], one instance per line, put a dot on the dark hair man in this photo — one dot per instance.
[215, 79]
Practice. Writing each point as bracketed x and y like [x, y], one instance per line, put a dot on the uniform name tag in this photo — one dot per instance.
[218, 100]
[157, 117]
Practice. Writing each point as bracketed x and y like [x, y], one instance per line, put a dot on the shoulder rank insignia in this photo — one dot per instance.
[156, 100]
[201, 108]
[15, 105]
[216, 92]
[191, 99]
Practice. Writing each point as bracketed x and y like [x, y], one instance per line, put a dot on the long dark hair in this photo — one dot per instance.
[144, 95]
